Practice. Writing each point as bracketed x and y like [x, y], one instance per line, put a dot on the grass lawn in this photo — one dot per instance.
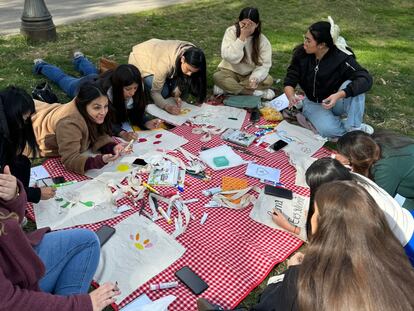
[380, 32]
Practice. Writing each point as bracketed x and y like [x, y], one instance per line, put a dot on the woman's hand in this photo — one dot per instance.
[253, 83]
[123, 148]
[153, 124]
[329, 103]
[47, 192]
[173, 109]
[247, 28]
[296, 259]
[281, 221]
[103, 296]
[8, 185]
[127, 136]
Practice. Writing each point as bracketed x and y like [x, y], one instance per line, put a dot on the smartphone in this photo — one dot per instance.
[278, 145]
[104, 233]
[278, 192]
[139, 161]
[58, 180]
[191, 280]
[255, 115]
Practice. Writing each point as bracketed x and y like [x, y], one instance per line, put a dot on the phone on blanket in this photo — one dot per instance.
[191, 280]
[278, 145]
[278, 192]
[104, 233]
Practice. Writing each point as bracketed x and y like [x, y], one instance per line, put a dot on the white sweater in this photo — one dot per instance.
[232, 53]
[399, 219]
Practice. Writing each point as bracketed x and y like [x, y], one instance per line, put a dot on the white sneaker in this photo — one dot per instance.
[268, 94]
[367, 128]
[217, 91]
[77, 54]
[38, 61]
[24, 222]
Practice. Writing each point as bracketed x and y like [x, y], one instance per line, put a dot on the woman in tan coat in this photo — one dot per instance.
[171, 69]
[71, 129]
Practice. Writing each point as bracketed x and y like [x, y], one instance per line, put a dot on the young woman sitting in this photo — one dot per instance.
[351, 263]
[333, 82]
[172, 70]
[44, 270]
[246, 59]
[400, 220]
[71, 129]
[16, 108]
[384, 157]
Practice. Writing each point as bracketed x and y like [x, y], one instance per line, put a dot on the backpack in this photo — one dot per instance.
[44, 92]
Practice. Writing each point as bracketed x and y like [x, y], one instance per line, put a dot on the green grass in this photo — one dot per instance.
[380, 32]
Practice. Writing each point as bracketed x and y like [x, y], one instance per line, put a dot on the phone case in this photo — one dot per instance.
[278, 192]
[104, 233]
[191, 280]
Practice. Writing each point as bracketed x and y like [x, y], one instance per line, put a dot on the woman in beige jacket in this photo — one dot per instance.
[171, 68]
[71, 129]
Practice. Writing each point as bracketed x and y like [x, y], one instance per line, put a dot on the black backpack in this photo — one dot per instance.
[44, 92]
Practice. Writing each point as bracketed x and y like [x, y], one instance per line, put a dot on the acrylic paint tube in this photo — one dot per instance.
[211, 191]
[163, 285]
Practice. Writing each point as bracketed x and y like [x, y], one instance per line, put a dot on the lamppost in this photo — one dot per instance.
[37, 23]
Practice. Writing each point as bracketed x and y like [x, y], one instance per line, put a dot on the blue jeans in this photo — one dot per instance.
[70, 85]
[328, 122]
[167, 89]
[71, 258]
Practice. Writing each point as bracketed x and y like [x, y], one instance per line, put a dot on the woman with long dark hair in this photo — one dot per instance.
[333, 82]
[384, 157]
[352, 262]
[129, 98]
[16, 108]
[71, 129]
[246, 58]
[172, 70]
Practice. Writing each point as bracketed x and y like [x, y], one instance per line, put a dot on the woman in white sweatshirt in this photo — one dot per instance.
[246, 59]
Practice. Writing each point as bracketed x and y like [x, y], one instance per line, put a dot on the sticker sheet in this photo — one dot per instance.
[138, 251]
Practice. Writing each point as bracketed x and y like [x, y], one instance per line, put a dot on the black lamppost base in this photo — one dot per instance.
[37, 23]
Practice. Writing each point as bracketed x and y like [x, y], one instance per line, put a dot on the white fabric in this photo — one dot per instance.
[399, 219]
[337, 39]
[295, 211]
[188, 111]
[299, 139]
[138, 251]
[233, 51]
[301, 164]
[220, 116]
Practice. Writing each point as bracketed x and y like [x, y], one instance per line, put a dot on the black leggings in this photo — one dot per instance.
[20, 168]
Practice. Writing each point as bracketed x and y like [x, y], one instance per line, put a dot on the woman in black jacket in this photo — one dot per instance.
[333, 82]
[16, 131]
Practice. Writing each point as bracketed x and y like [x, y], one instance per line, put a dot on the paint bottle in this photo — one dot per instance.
[163, 285]
[211, 191]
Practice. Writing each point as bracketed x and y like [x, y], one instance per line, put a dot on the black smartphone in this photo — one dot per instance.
[278, 192]
[58, 180]
[255, 115]
[191, 280]
[104, 233]
[278, 145]
[139, 162]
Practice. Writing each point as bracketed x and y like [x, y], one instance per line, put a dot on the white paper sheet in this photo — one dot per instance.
[150, 141]
[298, 138]
[49, 213]
[220, 116]
[295, 210]
[138, 251]
[187, 111]
[279, 103]
[38, 172]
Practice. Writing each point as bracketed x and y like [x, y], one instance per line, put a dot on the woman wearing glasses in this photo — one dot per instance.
[333, 81]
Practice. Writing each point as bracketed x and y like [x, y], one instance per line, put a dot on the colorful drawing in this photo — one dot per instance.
[146, 243]
[123, 167]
